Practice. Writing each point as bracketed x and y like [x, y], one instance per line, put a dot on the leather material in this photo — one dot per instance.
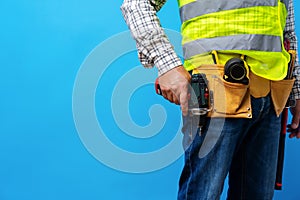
[280, 91]
[233, 100]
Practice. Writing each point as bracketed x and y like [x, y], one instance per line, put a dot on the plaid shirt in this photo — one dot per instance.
[155, 49]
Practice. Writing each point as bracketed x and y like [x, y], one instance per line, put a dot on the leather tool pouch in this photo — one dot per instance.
[226, 99]
[280, 91]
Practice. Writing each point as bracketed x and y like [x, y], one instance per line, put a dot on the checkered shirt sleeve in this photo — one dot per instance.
[290, 35]
[154, 48]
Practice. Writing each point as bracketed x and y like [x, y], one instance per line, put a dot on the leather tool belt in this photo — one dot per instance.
[233, 100]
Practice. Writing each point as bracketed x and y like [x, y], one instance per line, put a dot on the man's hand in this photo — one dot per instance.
[174, 87]
[294, 127]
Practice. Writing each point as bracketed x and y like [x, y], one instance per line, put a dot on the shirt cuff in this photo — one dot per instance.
[167, 61]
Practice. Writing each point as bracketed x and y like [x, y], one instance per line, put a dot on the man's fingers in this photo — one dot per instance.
[174, 86]
[294, 124]
[180, 99]
[168, 96]
[294, 128]
[184, 102]
[296, 117]
[292, 135]
[172, 97]
[175, 99]
[294, 132]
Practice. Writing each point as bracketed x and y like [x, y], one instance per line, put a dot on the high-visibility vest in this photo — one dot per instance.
[249, 27]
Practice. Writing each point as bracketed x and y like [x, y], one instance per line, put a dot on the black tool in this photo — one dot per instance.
[235, 71]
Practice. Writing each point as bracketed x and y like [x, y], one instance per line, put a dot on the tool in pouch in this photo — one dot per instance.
[235, 69]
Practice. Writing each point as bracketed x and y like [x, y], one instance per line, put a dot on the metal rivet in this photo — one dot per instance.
[249, 115]
[248, 109]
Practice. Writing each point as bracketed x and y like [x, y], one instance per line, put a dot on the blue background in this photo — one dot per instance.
[42, 46]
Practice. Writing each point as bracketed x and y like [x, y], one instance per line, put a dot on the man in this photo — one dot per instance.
[245, 145]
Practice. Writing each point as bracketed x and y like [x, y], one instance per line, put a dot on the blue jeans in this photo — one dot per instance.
[244, 148]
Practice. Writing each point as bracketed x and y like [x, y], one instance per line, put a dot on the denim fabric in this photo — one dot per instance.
[244, 148]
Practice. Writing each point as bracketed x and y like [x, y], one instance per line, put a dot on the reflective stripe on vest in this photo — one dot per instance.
[250, 27]
[196, 8]
[262, 42]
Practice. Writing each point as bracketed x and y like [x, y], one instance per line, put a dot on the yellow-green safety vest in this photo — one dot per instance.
[250, 27]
